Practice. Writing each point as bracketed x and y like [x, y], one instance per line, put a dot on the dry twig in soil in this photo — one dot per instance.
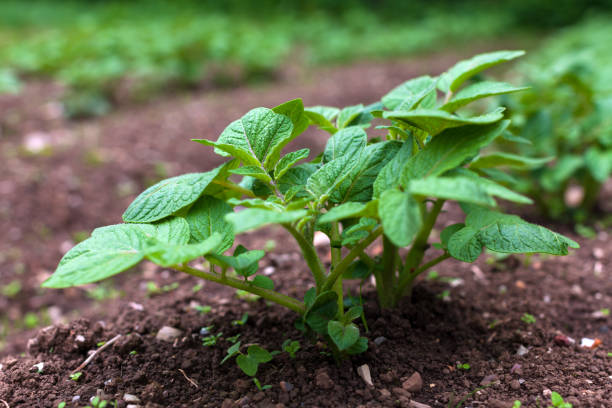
[95, 353]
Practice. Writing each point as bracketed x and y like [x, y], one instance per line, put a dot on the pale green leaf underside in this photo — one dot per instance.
[323, 182]
[464, 70]
[389, 175]
[342, 335]
[169, 255]
[168, 196]
[400, 215]
[322, 117]
[452, 188]
[347, 114]
[350, 210]
[350, 141]
[285, 163]
[509, 160]
[253, 218]
[435, 121]
[253, 171]
[477, 91]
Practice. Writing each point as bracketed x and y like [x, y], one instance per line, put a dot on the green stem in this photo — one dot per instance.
[419, 246]
[310, 255]
[374, 267]
[388, 272]
[336, 257]
[278, 298]
[405, 287]
[346, 262]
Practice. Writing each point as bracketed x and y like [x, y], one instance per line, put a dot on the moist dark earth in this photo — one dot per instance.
[60, 179]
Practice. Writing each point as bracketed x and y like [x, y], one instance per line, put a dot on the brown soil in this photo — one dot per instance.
[60, 178]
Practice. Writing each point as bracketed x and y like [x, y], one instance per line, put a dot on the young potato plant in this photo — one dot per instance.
[356, 191]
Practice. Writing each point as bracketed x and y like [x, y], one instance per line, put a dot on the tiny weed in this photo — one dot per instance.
[291, 347]
[557, 401]
[464, 366]
[242, 321]
[605, 312]
[76, 376]
[202, 309]
[528, 318]
[517, 404]
[61, 404]
[212, 339]
[259, 386]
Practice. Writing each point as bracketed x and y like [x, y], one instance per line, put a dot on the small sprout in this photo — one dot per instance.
[197, 288]
[233, 339]
[76, 376]
[133, 353]
[558, 402]
[445, 295]
[269, 245]
[609, 353]
[11, 289]
[605, 312]
[528, 318]
[202, 309]
[493, 324]
[259, 386]
[517, 404]
[291, 347]
[100, 343]
[212, 339]
[464, 366]
[432, 275]
[242, 320]
[61, 404]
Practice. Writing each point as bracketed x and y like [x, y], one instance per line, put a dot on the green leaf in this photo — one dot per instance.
[450, 149]
[294, 110]
[322, 117]
[491, 187]
[257, 138]
[350, 210]
[407, 95]
[358, 231]
[509, 160]
[253, 218]
[263, 282]
[358, 186]
[389, 175]
[247, 364]
[271, 203]
[400, 215]
[170, 195]
[109, 251]
[504, 233]
[452, 188]
[434, 121]
[174, 230]
[168, 255]
[253, 171]
[448, 232]
[357, 270]
[259, 354]
[207, 217]
[556, 399]
[323, 309]
[353, 313]
[350, 141]
[285, 163]
[322, 183]
[244, 262]
[599, 163]
[477, 91]
[347, 115]
[232, 351]
[344, 336]
[452, 79]
[360, 346]
[295, 179]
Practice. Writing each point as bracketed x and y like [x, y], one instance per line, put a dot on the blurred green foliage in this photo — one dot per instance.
[106, 50]
[568, 114]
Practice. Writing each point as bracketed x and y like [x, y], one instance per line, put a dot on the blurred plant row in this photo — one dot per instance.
[106, 51]
[567, 116]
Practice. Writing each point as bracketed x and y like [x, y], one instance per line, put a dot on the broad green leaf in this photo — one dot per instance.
[174, 254]
[509, 160]
[344, 336]
[322, 117]
[504, 233]
[207, 217]
[350, 141]
[253, 218]
[294, 110]
[259, 354]
[407, 95]
[268, 204]
[353, 313]
[477, 91]
[357, 270]
[263, 282]
[109, 251]
[452, 79]
[323, 309]
[360, 346]
[322, 183]
[498, 176]
[359, 184]
[491, 187]
[244, 262]
[599, 163]
[232, 351]
[247, 364]
[400, 215]
[434, 121]
[253, 171]
[168, 196]
[448, 232]
[285, 163]
[350, 210]
[452, 188]
[257, 138]
[347, 115]
[173, 230]
[389, 175]
[358, 231]
[450, 149]
[295, 179]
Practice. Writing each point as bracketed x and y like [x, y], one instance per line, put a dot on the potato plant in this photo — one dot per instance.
[356, 191]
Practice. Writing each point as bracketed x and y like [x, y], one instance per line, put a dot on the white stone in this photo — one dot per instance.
[168, 334]
[364, 373]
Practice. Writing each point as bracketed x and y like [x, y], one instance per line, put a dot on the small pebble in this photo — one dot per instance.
[414, 404]
[136, 306]
[364, 373]
[522, 350]
[491, 378]
[131, 398]
[598, 253]
[515, 385]
[563, 340]
[79, 338]
[38, 367]
[546, 392]
[168, 334]
[379, 340]
[414, 383]
[269, 270]
[286, 386]
[520, 284]
[204, 331]
[76, 398]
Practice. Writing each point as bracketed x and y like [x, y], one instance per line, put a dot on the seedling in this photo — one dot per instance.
[202, 309]
[76, 376]
[97, 402]
[249, 362]
[212, 339]
[291, 347]
[528, 318]
[516, 404]
[557, 401]
[242, 321]
[464, 366]
[61, 404]
[259, 386]
[356, 191]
